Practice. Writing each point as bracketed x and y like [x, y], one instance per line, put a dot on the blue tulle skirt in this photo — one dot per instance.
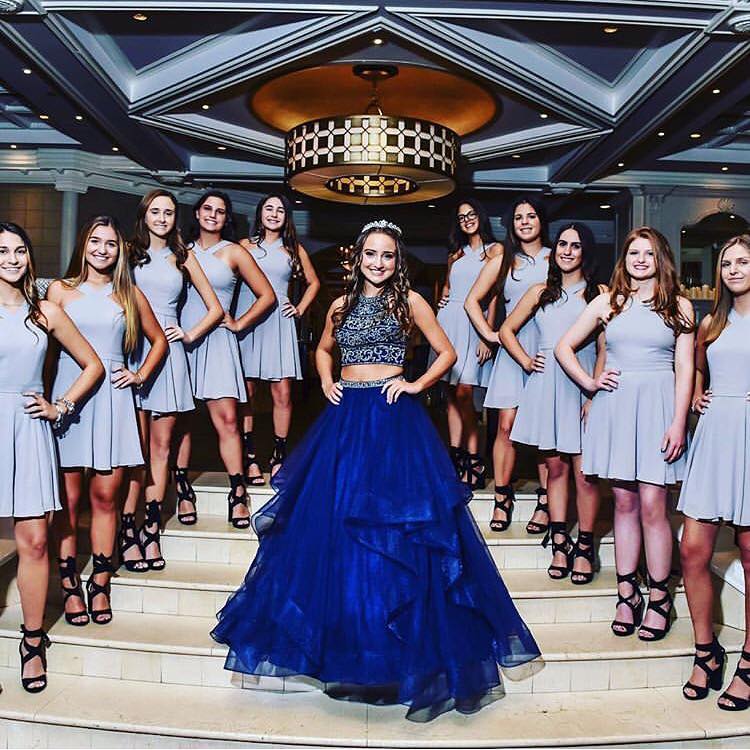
[372, 575]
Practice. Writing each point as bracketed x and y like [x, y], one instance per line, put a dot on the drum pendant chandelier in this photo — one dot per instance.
[372, 157]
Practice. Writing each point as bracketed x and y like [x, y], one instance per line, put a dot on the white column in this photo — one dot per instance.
[68, 228]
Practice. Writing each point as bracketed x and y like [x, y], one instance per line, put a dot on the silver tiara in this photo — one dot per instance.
[382, 224]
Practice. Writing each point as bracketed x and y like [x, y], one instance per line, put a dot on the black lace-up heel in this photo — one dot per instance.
[714, 675]
[236, 481]
[127, 538]
[185, 494]
[536, 527]
[250, 460]
[619, 627]
[662, 607]
[585, 538]
[102, 564]
[458, 457]
[33, 684]
[153, 518]
[505, 505]
[279, 454]
[559, 529]
[68, 570]
[475, 471]
[738, 704]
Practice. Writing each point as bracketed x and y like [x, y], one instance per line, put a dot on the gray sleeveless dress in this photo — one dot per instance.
[269, 349]
[549, 415]
[717, 477]
[168, 390]
[508, 378]
[214, 360]
[28, 460]
[103, 432]
[457, 326]
[626, 426]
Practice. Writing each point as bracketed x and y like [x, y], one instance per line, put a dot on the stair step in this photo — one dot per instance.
[96, 712]
[180, 650]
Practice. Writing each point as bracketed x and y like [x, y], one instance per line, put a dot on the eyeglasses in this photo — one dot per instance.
[467, 217]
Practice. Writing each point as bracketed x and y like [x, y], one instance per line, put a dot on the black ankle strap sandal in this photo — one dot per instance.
[714, 675]
[185, 494]
[458, 457]
[505, 505]
[559, 529]
[147, 537]
[102, 564]
[68, 570]
[236, 481]
[279, 454]
[662, 607]
[536, 527]
[33, 684]
[738, 704]
[250, 460]
[475, 470]
[619, 627]
[127, 538]
[587, 552]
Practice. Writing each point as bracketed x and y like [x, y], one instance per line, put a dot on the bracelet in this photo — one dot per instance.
[138, 379]
[58, 420]
[70, 406]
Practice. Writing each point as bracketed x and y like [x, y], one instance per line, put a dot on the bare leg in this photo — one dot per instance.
[539, 517]
[469, 436]
[33, 581]
[737, 686]
[136, 474]
[696, 549]
[248, 410]
[455, 424]
[587, 505]
[658, 541]
[627, 541]
[65, 525]
[223, 413]
[160, 444]
[184, 441]
[503, 455]
[251, 466]
[558, 474]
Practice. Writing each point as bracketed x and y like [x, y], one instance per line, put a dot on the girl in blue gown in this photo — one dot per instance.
[371, 575]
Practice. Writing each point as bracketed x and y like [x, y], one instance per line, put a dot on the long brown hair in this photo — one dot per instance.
[665, 301]
[723, 298]
[141, 241]
[28, 284]
[288, 231]
[397, 286]
[123, 287]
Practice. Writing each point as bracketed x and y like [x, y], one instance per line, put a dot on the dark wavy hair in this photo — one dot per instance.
[288, 231]
[228, 231]
[553, 289]
[512, 244]
[139, 244]
[458, 239]
[396, 287]
[28, 283]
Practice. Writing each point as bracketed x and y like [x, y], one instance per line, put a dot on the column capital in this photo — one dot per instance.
[71, 182]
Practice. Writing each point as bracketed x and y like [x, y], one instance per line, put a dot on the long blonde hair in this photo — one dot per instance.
[123, 288]
[723, 298]
[665, 301]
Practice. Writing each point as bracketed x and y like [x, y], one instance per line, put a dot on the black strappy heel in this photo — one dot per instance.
[40, 650]
[102, 564]
[127, 538]
[535, 527]
[586, 538]
[662, 607]
[153, 518]
[714, 675]
[458, 457]
[505, 505]
[557, 529]
[185, 494]
[68, 570]
[619, 627]
[279, 454]
[249, 460]
[236, 481]
[740, 704]
[475, 470]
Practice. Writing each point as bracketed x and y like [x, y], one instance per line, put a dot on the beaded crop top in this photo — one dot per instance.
[370, 335]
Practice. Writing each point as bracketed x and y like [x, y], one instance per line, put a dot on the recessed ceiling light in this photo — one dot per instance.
[716, 91]
[205, 106]
[605, 206]
[44, 117]
[115, 148]
[732, 216]
[377, 40]
[544, 116]
[430, 205]
[13, 145]
[79, 117]
[620, 163]
[140, 17]
[684, 231]
[27, 71]
[222, 148]
[695, 136]
[725, 169]
[610, 29]
[298, 201]
[516, 156]
[661, 134]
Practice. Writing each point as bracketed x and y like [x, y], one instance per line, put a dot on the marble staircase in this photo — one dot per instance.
[155, 678]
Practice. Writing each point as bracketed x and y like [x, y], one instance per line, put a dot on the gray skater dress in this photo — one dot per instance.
[457, 326]
[269, 349]
[508, 378]
[103, 432]
[28, 461]
[549, 415]
[626, 426]
[168, 390]
[214, 360]
[717, 477]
